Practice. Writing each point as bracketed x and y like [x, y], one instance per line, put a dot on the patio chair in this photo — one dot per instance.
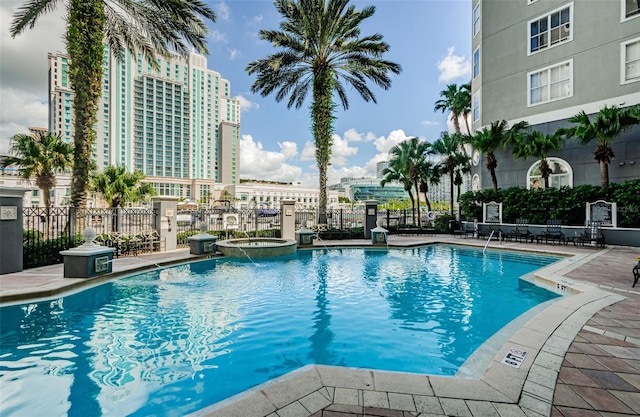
[521, 232]
[591, 235]
[553, 233]
[485, 232]
[467, 229]
[636, 274]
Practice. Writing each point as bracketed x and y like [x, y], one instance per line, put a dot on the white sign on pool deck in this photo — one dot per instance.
[514, 357]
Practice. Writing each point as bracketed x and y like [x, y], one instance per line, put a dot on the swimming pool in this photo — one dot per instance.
[171, 341]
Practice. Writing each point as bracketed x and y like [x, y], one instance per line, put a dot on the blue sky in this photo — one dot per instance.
[430, 39]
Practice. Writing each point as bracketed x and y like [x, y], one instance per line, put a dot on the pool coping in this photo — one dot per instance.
[545, 338]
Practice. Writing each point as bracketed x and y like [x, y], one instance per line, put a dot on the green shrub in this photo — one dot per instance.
[566, 204]
[441, 223]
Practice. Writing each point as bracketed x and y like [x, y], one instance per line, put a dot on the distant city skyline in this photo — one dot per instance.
[431, 39]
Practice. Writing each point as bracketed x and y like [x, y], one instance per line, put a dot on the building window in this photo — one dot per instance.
[476, 19]
[551, 29]
[630, 8]
[630, 54]
[476, 107]
[476, 62]
[561, 174]
[475, 183]
[551, 83]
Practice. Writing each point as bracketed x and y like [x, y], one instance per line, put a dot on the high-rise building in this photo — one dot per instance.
[174, 122]
[544, 61]
[380, 166]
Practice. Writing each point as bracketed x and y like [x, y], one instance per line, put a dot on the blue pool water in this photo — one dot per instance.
[171, 341]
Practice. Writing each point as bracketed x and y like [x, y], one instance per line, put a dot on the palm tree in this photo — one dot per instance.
[427, 175]
[538, 145]
[449, 147]
[150, 27]
[605, 126]
[40, 155]
[396, 173]
[488, 140]
[409, 156]
[321, 51]
[456, 100]
[119, 187]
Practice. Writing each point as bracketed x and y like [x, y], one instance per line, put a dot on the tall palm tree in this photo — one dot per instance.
[321, 51]
[489, 139]
[428, 175]
[150, 27]
[119, 187]
[396, 173]
[457, 101]
[538, 145]
[604, 127]
[409, 155]
[452, 159]
[41, 155]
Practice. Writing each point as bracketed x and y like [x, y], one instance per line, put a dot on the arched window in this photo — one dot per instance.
[475, 183]
[561, 174]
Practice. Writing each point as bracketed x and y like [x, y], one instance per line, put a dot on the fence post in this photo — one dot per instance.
[72, 223]
[11, 229]
[287, 219]
[118, 219]
[165, 222]
[370, 217]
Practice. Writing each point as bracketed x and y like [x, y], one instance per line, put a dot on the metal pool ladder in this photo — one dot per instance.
[488, 240]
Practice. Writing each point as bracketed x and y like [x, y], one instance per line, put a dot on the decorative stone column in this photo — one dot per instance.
[165, 220]
[288, 219]
[202, 243]
[305, 236]
[11, 200]
[89, 259]
[370, 217]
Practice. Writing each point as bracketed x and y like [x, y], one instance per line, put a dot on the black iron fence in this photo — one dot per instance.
[47, 231]
[227, 224]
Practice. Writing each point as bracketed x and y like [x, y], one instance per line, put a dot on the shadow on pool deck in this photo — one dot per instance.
[584, 351]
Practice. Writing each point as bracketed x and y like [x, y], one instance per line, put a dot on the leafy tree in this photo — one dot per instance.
[452, 159]
[119, 187]
[456, 100]
[40, 155]
[489, 139]
[427, 175]
[321, 51]
[604, 127]
[396, 172]
[538, 145]
[408, 156]
[149, 26]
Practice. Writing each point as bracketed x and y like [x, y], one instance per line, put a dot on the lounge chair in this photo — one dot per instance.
[636, 274]
[553, 233]
[521, 232]
[467, 229]
[591, 235]
[485, 232]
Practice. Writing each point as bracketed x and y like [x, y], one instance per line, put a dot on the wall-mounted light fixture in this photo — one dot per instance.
[632, 162]
[621, 163]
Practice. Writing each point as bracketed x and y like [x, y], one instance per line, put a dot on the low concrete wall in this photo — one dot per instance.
[620, 236]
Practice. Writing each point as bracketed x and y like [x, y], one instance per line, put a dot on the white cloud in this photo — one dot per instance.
[453, 67]
[217, 36]
[23, 70]
[341, 151]
[234, 53]
[308, 152]
[246, 104]
[223, 12]
[429, 123]
[384, 144]
[258, 163]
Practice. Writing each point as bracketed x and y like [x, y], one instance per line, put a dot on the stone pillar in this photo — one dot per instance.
[165, 220]
[89, 259]
[11, 229]
[288, 219]
[370, 217]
